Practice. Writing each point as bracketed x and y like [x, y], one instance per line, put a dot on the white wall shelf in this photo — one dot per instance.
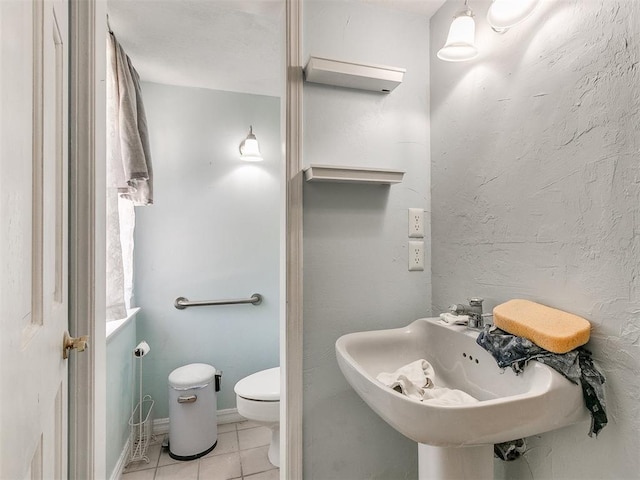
[341, 174]
[377, 78]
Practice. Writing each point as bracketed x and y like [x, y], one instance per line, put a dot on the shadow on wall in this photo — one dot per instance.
[339, 202]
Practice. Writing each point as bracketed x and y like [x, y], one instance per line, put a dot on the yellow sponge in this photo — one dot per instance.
[551, 329]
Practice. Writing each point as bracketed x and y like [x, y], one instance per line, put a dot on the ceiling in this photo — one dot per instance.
[420, 7]
[232, 45]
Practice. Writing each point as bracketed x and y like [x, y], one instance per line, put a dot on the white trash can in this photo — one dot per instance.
[193, 424]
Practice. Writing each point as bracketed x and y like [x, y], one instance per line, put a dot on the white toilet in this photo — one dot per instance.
[258, 399]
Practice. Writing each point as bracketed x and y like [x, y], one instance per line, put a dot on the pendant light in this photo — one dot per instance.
[504, 14]
[249, 149]
[460, 45]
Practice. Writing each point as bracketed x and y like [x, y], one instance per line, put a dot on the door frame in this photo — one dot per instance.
[291, 344]
[87, 372]
[87, 139]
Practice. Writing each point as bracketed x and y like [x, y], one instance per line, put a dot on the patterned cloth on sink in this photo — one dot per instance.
[576, 365]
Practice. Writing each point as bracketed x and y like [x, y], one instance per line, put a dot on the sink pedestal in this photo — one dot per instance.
[459, 463]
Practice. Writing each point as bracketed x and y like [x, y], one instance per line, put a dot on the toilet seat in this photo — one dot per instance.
[263, 386]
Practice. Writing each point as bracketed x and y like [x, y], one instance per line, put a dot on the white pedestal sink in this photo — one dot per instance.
[457, 441]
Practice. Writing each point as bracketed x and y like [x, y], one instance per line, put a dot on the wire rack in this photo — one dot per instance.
[141, 425]
[141, 420]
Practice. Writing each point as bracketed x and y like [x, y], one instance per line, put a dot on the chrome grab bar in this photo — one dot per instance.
[181, 303]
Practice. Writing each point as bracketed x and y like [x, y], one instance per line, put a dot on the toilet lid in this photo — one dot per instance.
[263, 385]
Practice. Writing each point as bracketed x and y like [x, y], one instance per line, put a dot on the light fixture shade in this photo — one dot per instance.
[504, 14]
[249, 148]
[460, 44]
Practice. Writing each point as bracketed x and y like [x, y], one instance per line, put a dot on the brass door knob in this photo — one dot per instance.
[77, 343]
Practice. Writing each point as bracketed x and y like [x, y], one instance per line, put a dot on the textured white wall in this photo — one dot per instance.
[355, 237]
[536, 194]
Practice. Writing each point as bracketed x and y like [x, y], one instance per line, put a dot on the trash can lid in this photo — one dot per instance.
[192, 375]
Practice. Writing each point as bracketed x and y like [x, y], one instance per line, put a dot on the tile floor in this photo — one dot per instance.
[241, 453]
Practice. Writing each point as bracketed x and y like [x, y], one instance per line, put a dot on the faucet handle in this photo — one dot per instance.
[476, 302]
[457, 309]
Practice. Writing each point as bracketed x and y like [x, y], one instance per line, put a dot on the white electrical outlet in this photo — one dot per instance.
[416, 256]
[416, 223]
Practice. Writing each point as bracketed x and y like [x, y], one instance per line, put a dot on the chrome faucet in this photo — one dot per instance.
[473, 310]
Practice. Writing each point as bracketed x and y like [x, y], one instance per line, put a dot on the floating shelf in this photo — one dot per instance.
[327, 173]
[375, 78]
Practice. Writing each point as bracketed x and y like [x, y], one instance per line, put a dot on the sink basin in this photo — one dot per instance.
[509, 407]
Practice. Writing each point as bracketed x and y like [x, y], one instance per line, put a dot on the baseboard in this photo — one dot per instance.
[161, 426]
[228, 415]
[122, 462]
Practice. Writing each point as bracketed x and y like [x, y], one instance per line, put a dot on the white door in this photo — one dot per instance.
[33, 242]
